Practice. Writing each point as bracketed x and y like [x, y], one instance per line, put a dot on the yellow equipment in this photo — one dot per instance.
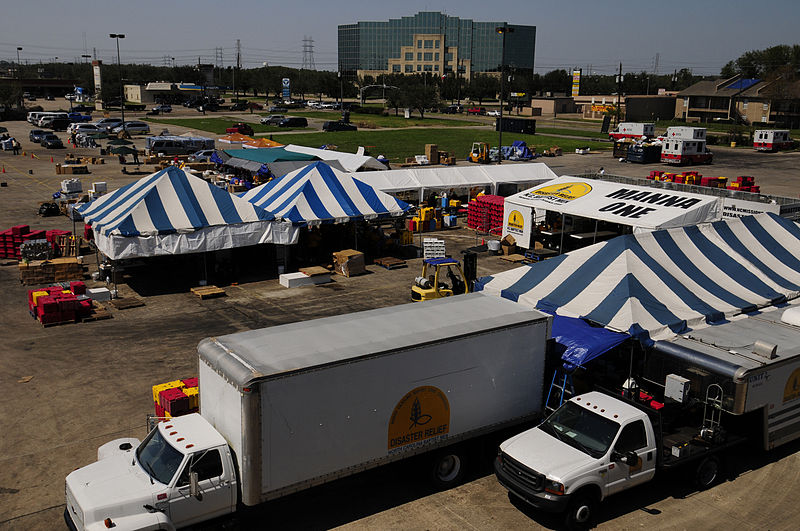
[447, 279]
[479, 153]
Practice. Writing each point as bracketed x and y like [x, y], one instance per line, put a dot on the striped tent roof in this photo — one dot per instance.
[167, 202]
[320, 194]
[665, 282]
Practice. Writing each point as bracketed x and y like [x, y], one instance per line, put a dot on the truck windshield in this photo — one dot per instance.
[158, 458]
[583, 429]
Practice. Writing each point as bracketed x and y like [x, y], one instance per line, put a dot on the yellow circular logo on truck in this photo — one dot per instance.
[564, 191]
[791, 391]
[421, 417]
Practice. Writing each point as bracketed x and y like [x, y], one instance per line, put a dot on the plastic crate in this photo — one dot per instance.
[169, 385]
[174, 401]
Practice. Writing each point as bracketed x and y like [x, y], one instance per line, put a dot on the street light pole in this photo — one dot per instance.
[502, 30]
[119, 36]
[21, 102]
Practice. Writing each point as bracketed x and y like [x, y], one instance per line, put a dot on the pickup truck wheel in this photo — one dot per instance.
[580, 512]
[707, 473]
[447, 469]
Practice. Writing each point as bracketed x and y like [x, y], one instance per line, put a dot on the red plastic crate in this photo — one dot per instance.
[78, 287]
[190, 382]
[19, 230]
[174, 401]
[50, 318]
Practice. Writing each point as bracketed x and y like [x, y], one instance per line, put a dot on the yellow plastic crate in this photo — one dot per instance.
[426, 213]
[35, 296]
[455, 203]
[194, 396]
[406, 237]
[169, 385]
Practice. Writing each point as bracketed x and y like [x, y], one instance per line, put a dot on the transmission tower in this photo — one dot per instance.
[308, 54]
[655, 64]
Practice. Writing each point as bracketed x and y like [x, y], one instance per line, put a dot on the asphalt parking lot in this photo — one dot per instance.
[68, 389]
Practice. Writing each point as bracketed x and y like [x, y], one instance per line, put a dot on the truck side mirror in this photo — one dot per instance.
[194, 487]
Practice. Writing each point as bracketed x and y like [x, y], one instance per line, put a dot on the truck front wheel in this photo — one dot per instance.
[447, 469]
[580, 512]
[707, 472]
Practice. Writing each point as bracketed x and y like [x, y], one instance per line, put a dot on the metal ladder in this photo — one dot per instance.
[712, 410]
[562, 384]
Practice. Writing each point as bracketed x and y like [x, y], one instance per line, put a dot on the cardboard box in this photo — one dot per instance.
[508, 244]
[432, 153]
[349, 262]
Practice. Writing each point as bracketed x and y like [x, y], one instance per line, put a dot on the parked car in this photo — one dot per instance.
[241, 128]
[210, 107]
[277, 109]
[293, 121]
[82, 108]
[36, 135]
[240, 106]
[477, 110]
[272, 119]
[78, 117]
[204, 155]
[493, 113]
[49, 97]
[60, 124]
[132, 128]
[88, 129]
[338, 126]
[106, 124]
[453, 109]
[51, 141]
[163, 108]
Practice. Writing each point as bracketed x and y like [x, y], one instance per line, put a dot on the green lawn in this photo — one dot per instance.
[373, 121]
[216, 124]
[571, 132]
[397, 145]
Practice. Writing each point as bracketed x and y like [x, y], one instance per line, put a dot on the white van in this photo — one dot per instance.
[47, 118]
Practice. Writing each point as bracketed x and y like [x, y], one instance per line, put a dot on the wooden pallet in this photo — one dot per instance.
[124, 304]
[208, 292]
[513, 258]
[48, 325]
[390, 262]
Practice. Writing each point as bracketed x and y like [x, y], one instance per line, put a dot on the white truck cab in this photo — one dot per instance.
[182, 473]
[591, 447]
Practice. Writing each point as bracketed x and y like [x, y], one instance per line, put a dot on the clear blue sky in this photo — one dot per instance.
[698, 34]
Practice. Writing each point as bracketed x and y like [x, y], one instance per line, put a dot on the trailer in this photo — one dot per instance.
[177, 145]
[679, 151]
[685, 133]
[772, 140]
[632, 130]
[285, 408]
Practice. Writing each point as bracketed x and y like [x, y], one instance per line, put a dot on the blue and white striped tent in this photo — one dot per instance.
[665, 282]
[172, 212]
[320, 194]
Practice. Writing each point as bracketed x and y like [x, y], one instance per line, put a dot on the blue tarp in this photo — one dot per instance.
[579, 343]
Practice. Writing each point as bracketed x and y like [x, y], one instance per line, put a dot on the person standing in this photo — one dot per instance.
[15, 147]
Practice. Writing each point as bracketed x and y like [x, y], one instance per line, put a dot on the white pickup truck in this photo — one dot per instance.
[596, 445]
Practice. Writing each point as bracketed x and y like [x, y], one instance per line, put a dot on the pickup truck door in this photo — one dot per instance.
[214, 480]
[633, 437]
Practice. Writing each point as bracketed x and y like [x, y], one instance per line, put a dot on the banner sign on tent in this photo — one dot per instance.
[642, 207]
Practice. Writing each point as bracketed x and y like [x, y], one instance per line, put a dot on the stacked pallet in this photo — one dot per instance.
[745, 183]
[56, 305]
[433, 248]
[485, 213]
[45, 271]
[175, 398]
[12, 239]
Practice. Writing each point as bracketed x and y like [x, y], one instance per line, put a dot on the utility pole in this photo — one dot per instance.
[619, 91]
[238, 64]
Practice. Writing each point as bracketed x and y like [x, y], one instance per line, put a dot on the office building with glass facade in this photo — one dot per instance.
[435, 43]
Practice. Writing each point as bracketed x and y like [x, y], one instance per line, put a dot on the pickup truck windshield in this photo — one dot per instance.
[158, 458]
[580, 428]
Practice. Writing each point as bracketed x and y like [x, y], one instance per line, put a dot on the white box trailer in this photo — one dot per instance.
[633, 130]
[677, 151]
[293, 406]
[772, 140]
[686, 133]
[309, 402]
[177, 145]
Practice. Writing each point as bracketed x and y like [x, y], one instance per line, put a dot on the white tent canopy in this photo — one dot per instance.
[643, 208]
[445, 178]
[349, 161]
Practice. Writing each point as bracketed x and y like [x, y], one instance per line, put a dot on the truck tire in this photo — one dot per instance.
[447, 469]
[707, 472]
[580, 512]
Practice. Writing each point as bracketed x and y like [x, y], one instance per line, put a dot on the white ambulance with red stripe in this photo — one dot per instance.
[772, 140]
[633, 130]
[685, 145]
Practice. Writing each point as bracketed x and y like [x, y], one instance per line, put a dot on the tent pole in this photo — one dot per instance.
[561, 245]
[594, 240]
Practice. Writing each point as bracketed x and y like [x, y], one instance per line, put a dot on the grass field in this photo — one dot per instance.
[373, 121]
[216, 124]
[398, 144]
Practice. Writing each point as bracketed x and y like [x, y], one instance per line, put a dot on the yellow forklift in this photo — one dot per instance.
[441, 277]
[479, 153]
